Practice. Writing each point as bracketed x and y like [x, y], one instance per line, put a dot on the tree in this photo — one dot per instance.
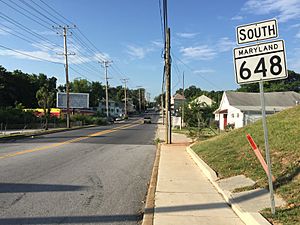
[19, 87]
[198, 115]
[292, 83]
[97, 93]
[45, 96]
[80, 86]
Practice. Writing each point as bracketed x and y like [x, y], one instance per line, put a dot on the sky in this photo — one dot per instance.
[129, 33]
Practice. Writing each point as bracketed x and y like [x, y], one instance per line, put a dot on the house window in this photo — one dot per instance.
[232, 115]
[237, 115]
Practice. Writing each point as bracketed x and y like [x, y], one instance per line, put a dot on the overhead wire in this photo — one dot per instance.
[59, 14]
[37, 11]
[191, 69]
[46, 11]
[79, 58]
[31, 56]
[175, 66]
[26, 29]
[47, 18]
[87, 44]
[29, 15]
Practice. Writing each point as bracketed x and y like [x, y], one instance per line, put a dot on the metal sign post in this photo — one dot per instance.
[258, 63]
[264, 122]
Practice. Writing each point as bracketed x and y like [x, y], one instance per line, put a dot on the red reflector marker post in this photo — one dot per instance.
[258, 155]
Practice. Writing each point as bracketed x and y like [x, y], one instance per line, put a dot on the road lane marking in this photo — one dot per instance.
[123, 127]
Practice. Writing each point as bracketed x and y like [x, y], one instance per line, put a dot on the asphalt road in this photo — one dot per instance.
[97, 175]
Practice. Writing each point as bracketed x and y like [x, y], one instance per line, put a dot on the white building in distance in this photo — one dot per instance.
[241, 108]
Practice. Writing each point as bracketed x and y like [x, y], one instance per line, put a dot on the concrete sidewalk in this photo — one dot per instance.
[185, 190]
[183, 193]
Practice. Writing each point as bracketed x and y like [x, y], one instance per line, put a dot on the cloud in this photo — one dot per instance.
[298, 35]
[187, 35]
[297, 25]
[225, 44]
[138, 52]
[53, 53]
[158, 44]
[237, 18]
[39, 54]
[5, 31]
[294, 60]
[202, 52]
[202, 71]
[286, 9]
[205, 52]
[102, 56]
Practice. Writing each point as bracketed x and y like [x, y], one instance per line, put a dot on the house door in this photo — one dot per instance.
[225, 120]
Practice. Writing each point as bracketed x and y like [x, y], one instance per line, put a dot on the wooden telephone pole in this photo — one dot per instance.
[168, 135]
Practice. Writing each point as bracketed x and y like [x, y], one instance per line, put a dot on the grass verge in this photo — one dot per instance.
[230, 154]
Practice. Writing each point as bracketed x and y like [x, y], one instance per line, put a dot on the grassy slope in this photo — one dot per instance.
[230, 154]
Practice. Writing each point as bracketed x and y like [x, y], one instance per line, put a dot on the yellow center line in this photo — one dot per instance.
[123, 127]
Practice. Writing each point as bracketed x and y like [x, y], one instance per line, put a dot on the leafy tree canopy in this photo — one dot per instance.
[292, 83]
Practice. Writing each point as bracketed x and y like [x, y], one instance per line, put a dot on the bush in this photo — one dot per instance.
[84, 118]
[87, 120]
[16, 116]
[100, 121]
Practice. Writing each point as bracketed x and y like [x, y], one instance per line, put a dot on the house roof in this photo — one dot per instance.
[203, 98]
[273, 100]
[178, 96]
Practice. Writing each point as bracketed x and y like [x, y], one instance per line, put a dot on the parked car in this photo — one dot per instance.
[147, 119]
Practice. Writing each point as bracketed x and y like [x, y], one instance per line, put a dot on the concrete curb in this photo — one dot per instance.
[247, 217]
[150, 199]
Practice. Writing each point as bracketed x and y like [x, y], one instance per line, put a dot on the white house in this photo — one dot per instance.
[242, 108]
[115, 108]
[203, 99]
[177, 101]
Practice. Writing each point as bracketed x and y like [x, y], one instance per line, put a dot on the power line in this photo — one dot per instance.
[178, 75]
[68, 21]
[26, 29]
[34, 9]
[31, 56]
[60, 21]
[191, 69]
[161, 22]
[86, 43]
[27, 16]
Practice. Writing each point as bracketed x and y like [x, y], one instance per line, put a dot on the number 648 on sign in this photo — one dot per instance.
[264, 61]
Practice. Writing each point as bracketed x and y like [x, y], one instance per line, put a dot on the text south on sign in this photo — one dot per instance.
[257, 32]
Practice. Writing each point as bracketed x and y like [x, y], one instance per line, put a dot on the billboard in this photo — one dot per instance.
[77, 100]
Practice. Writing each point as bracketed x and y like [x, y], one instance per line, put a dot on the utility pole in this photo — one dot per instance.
[182, 107]
[65, 34]
[168, 89]
[105, 66]
[162, 108]
[125, 87]
[140, 102]
[148, 98]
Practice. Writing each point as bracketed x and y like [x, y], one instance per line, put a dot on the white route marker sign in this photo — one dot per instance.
[257, 31]
[264, 61]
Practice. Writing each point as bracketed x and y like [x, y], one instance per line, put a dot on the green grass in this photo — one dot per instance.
[230, 154]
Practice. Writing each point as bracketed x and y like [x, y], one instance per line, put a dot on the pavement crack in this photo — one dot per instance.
[95, 192]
